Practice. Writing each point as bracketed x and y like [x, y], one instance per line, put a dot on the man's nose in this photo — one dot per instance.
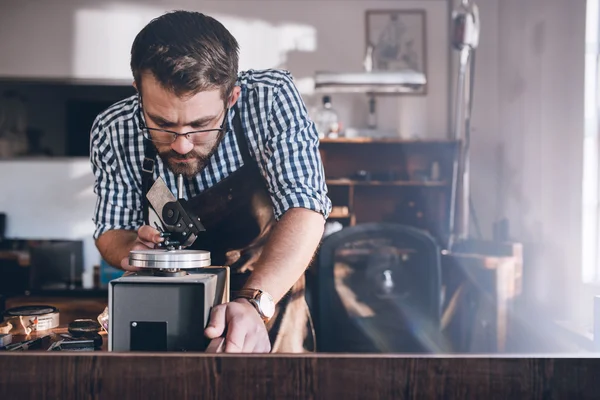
[182, 145]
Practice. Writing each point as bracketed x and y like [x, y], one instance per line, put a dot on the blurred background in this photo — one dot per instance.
[389, 156]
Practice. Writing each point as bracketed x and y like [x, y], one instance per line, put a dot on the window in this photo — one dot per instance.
[591, 203]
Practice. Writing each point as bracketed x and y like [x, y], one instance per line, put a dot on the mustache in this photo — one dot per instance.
[173, 155]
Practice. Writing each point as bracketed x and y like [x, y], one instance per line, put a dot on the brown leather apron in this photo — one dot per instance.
[238, 216]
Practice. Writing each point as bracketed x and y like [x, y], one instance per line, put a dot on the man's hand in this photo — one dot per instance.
[245, 329]
[147, 238]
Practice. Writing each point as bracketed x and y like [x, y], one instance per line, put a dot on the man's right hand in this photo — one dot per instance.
[147, 238]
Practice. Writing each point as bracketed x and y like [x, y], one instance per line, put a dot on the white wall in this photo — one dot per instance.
[50, 199]
[527, 139]
[91, 39]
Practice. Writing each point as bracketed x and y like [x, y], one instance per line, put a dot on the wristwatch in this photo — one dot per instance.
[261, 300]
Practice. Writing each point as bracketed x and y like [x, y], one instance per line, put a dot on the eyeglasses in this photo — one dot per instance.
[167, 137]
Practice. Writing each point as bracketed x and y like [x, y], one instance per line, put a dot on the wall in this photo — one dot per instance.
[90, 39]
[527, 140]
[50, 199]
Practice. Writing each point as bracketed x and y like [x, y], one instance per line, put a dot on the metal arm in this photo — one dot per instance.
[465, 39]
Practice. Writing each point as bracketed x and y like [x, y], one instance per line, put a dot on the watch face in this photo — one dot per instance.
[266, 304]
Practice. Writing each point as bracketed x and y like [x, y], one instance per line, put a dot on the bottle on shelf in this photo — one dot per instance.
[372, 117]
[327, 120]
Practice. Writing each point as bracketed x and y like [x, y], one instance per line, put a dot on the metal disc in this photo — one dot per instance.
[169, 259]
[33, 310]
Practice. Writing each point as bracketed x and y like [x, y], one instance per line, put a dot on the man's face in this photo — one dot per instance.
[165, 110]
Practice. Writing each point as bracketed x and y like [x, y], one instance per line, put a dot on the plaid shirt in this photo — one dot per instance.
[281, 138]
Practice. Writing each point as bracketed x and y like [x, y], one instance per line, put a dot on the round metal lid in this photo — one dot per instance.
[171, 259]
[33, 310]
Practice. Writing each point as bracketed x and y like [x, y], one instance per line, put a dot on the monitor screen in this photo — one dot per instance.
[56, 265]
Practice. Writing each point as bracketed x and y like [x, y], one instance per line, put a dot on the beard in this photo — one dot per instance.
[189, 165]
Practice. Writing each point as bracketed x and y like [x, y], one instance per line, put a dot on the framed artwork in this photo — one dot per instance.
[398, 39]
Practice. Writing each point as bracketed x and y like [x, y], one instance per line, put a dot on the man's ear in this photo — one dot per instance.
[134, 84]
[235, 94]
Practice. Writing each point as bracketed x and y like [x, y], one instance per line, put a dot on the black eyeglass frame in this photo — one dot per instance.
[146, 130]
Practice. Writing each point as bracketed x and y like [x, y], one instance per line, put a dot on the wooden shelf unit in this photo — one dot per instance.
[349, 182]
[358, 140]
[390, 180]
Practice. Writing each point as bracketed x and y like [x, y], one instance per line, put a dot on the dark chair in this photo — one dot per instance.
[377, 290]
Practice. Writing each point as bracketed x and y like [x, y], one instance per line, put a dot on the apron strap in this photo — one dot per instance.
[147, 176]
[238, 131]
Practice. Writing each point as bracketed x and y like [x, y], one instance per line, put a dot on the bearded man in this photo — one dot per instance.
[248, 152]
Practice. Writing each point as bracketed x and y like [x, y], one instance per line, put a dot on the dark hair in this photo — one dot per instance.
[187, 52]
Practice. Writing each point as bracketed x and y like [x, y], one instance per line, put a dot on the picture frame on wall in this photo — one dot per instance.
[398, 40]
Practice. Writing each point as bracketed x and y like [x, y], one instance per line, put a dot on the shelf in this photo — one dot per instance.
[350, 182]
[387, 140]
[369, 251]
[339, 216]
[398, 175]
[339, 212]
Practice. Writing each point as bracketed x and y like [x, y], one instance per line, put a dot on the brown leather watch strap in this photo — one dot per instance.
[246, 293]
[251, 295]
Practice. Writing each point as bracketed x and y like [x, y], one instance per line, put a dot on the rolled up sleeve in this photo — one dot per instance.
[292, 162]
[118, 203]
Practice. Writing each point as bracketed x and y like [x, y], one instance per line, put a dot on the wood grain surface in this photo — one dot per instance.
[200, 376]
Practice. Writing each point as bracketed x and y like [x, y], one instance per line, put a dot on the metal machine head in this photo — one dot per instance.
[180, 224]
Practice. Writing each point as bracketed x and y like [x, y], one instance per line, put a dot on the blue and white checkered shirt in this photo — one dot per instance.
[281, 138]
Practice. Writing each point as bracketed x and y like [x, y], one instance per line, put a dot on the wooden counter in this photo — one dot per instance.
[186, 376]
[104, 375]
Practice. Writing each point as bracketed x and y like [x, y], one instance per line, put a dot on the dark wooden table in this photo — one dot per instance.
[104, 375]
[107, 375]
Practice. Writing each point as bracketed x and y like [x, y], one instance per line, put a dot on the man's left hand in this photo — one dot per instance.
[245, 329]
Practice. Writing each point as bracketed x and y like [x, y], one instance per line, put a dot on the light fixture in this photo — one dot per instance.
[369, 81]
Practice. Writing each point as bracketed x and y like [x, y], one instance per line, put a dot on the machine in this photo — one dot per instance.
[165, 306]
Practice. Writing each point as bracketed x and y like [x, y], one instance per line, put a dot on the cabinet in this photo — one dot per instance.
[390, 180]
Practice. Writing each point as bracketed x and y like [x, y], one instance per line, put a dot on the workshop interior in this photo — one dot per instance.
[460, 144]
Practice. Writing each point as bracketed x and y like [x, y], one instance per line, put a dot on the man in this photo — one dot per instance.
[249, 155]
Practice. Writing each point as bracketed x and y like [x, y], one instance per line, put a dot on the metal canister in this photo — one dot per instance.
[34, 317]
